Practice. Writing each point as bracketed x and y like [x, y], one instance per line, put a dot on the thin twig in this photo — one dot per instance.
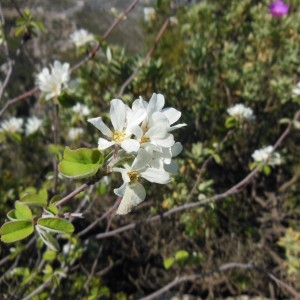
[148, 56]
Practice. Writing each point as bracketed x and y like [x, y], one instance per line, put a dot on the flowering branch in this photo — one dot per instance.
[233, 190]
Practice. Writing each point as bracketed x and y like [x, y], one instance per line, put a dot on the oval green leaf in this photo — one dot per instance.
[22, 211]
[16, 230]
[168, 262]
[80, 163]
[55, 225]
[181, 255]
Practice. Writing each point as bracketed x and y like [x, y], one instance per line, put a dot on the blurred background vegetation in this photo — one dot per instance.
[212, 55]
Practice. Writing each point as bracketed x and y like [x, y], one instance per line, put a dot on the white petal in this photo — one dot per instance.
[136, 130]
[141, 160]
[171, 168]
[177, 126]
[156, 103]
[134, 195]
[156, 175]
[176, 149]
[166, 142]
[118, 114]
[99, 124]
[136, 116]
[120, 191]
[104, 144]
[172, 114]
[130, 145]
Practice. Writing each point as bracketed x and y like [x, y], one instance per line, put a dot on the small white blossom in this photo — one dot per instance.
[155, 129]
[75, 133]
[241, 112]
[124, 124]
[81, 109]
[131, 190]
[32, 125]
[296, 90]
[54, 81]
[267, 153]
[149, 14]
[12, 125]
[81, 37]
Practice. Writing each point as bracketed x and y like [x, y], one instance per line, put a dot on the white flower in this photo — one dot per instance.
[32, 125]
[156, 127]
[131, 190]
[75, 133]
[241, 112]
[296, 91]
[81, 37]
[13, 125]
[149, 14]
[164, 159]
[267, 153]
[53, 82]
[81, 109]
[125, 123]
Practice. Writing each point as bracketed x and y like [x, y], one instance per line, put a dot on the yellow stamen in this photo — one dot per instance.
[119, 136]
[144, 139]
[133, 175]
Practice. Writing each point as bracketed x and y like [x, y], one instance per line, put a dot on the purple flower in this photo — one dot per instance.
[278, 8]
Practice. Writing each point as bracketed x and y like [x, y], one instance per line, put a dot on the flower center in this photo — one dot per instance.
[144, 139]
[119, 136]
[133, 175]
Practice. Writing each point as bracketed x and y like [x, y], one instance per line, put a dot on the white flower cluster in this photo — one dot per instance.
[75, 133]
[15, 125]
[149, 13]
[81, 37]
[81, 109]
[267, 153]
[241, 113]
[52, 82]
[142, 132]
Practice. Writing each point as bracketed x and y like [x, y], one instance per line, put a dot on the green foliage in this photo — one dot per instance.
[27, 26]
[16, 230]
[80, 163]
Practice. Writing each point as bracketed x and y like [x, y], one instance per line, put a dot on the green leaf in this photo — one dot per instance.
[80, 163]
[66, 100]
[16, 230]
[54, 199]
[266, 170]
[49, 255]
[52, 209]
[181, 255]
[55, 225]
[168, 262]
[47, 238]
[22, 211]
[12, 215]
[39, 199]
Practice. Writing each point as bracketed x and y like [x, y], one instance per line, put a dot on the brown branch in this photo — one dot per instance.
[148, 55]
